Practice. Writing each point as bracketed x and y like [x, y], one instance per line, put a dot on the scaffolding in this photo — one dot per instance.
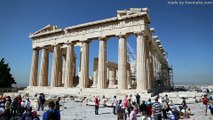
[132, 60]
[171, 76]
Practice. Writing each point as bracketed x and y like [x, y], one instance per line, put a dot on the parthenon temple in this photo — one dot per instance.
[151, 64]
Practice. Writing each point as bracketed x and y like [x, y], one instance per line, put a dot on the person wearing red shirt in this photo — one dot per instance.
[97, 100]
[205, 103]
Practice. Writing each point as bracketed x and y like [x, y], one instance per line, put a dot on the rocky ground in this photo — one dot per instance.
[72, 110]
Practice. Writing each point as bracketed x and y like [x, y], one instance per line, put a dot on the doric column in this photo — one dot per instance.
[122, 63]
[148, 73]
[95, 78]
[84, 77]
[111, 77]
[73, 64]
[43, 79]
[128, 79]
[69, 62]
[64, 69]
[59, 81]
[154, 67]
[34, 68]
[151, 70]
[141, 62]
[128, 73]
[55, 66]
[102, 70]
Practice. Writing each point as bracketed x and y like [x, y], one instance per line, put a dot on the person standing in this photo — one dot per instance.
[27, 115]
[166, 99]
[205, 103]
[51, 113]
[149, 108]
[157, 109]
[8, 105]
[57, 104]
[184, 106]
[97, 102]
[15, 106]
[138, 97]
[27, 104]
[41, 101]
[114, 103]
[143, 110]
[125, 101]
[133, 114]
[165, 108]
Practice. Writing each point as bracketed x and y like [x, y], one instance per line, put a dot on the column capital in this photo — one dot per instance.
[140, 33]
[122, 35]
[102, 38]
[36, 48]
[57, 45]
[70, 43]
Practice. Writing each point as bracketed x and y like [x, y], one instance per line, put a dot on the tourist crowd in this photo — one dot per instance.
[131, 107]
[19, 109]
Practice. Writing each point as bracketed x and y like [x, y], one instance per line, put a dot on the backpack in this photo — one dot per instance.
[52, 115]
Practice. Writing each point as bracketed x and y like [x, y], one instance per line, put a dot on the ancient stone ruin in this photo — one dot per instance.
[152, 69]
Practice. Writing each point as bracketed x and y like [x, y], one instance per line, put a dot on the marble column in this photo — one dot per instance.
[151, 71]
[69, 67]
[122, 63]
[141, 62]
[95, 78]
[34, 68]
[128, 79]
[73, 65]
[55, 66]
[148, 73]
[64, 69]
[154, 67]
[59, 82]
[102, 69]
[84, 77]
[111, 77]
[43, 79]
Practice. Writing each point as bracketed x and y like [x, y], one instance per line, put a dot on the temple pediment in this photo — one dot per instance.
[46, 30]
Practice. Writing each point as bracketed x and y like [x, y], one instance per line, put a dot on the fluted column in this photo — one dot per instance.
[95, 78]
[128, 79]
[148, 73]
[122, 63]
[151, 70]
[59, 81]
[69, 61]
[73, 64]
[102, 70]
[111, 77]
[43, 79]
[84, 78]
[34, 68]
[141, 61]
[64, 69]
[55, 66]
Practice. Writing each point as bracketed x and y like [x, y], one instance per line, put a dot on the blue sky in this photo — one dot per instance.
[186, 32]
